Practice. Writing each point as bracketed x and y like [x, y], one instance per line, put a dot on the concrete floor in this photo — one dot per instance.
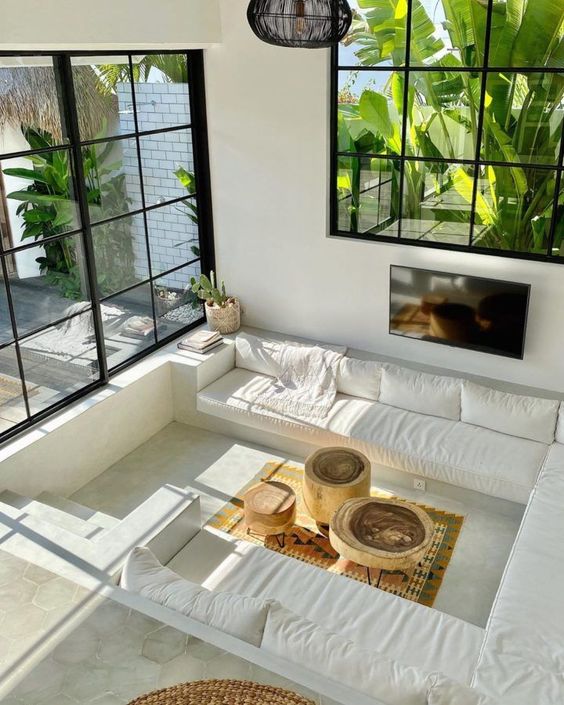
[216, 467]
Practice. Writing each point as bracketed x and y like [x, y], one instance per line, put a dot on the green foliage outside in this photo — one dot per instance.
[522, 117]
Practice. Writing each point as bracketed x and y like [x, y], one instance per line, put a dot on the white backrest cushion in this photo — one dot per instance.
[516, 415]
[257, 354]
[359, 378]
[446, 692]
[560, 424]
[303, 642]
[418, 391]
[241, 616]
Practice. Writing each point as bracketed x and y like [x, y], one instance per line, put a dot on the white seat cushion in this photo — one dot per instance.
[450, 451]
[375, 620]
[424, 393]
[359, 378]
[445, 691]
[523, 654]
[516, 415]
[241, 616]
[560, 424]
[303, 642]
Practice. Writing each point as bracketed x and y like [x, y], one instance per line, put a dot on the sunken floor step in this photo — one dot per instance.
[52, 515]
[92, 516]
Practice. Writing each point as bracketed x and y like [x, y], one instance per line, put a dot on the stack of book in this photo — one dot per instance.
[202, 341]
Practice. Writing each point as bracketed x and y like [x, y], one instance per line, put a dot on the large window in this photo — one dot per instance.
[447, 126]
[104, 217]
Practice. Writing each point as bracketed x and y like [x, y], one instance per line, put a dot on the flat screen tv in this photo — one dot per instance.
[455, 309]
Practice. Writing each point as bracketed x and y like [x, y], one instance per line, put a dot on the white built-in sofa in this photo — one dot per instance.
[397, 652]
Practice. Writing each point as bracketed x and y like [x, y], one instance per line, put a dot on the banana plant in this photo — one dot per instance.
[522, 114]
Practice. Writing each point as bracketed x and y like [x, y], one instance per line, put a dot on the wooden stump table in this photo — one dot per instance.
[270, 509]
[382, 534]
[331, 476]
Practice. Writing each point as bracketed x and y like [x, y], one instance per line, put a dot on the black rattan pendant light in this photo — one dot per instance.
[308, 24]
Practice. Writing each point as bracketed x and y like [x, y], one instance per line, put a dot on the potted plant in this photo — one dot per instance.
[223, 312]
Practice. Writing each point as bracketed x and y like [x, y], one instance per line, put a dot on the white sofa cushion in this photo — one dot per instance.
[560, 424]
[374, 620]
[359, 378]
[420, 392]
[256, 354]
[305, 643]
[241, 616]
[516, 415]
[522, 657]
[445, 691]
[454, 452]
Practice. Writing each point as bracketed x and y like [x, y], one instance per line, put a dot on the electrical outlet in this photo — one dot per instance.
[419, 484]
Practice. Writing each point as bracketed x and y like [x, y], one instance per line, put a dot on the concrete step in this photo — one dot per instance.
[51, 515]
[80, 511]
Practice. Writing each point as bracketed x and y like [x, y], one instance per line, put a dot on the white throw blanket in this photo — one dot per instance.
[307, 384]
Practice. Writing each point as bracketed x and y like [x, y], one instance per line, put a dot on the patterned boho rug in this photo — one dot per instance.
[306, 544]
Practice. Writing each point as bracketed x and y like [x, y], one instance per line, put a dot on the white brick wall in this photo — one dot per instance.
[160, 105]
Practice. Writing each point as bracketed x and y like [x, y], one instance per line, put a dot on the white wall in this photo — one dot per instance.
[268, 117]
[106, 24]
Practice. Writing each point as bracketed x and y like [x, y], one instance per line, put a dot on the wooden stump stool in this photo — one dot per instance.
[331, 476]
[270, 509]
[383, 534]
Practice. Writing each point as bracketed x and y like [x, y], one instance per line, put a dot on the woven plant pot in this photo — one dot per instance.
[225, 319]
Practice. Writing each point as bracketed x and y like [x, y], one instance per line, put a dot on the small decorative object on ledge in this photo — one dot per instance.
[223, 312]
[306, 24]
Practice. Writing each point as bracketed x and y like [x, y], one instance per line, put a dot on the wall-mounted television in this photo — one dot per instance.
[459, 310]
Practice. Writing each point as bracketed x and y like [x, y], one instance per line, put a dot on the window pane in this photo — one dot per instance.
[369, 112]
[12, 405]
[128, 324]
[444, 33]
[175, 305]
[29, 104]
[514, 209]
[40, 200]
[444, 117]
[437, 202]
[161, 91]
[60, 360]
[120, 250]
[50, 283]
[526, 34]
[111, 172]
[173, 235]
[164, 156]
[377, 35]
[104, 102]
[367, 195]
[523, 117]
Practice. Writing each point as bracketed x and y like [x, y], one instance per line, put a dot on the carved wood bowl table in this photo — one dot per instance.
[331, 476]
[381, 534]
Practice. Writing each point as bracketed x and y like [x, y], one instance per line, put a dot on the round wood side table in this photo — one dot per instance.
[270, 509]
[332, 476]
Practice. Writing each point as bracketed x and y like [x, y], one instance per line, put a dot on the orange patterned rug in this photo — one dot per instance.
[306, 544]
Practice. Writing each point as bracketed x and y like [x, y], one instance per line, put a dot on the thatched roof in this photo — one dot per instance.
[28, 97]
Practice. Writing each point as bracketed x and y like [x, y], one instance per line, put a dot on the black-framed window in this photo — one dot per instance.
[447, 126]
[105, 215]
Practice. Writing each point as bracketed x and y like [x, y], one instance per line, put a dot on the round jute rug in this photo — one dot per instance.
[221, 692]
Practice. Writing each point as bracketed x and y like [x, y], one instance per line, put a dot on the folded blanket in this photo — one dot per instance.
[307, 384]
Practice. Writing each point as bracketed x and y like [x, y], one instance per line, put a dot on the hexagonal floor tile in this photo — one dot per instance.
[120, 646]
[37, 574]
[15, 594]
[133, 679]
[26, 621]
[56, 593]
[228, 666]
[86, 681]
[202, 650]
[43, 682]
[108, 617]
[181, 669]
[108, 699]
[164, 644]
[11, 568]
[80, 645]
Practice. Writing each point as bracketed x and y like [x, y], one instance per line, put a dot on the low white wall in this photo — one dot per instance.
[268, 113]
[107, 24]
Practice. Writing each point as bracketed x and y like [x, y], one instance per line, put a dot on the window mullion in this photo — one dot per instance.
[63, 65]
